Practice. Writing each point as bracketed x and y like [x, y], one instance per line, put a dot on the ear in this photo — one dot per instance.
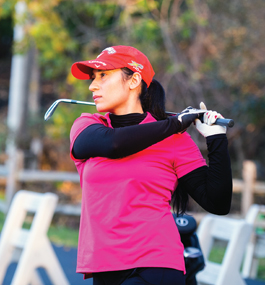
[135, 80]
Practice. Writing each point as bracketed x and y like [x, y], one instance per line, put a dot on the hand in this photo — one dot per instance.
[188, 116]
[207, 128]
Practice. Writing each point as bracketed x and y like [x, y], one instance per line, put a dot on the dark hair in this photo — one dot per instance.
[179, 200]
[153, 101]
[152, 98]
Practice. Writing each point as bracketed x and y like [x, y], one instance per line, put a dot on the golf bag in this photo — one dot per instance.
[194, 260]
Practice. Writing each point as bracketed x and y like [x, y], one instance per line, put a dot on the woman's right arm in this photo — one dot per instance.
[98, 140]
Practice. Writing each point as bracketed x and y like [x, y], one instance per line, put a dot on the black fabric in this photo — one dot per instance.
[211, 187]
[111, 277]
[140, 276]
[98, 140]
[118, 121]
[187, 226]
[193, 265]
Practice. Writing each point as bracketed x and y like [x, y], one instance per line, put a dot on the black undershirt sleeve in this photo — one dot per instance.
[99, 140]
[211, 187]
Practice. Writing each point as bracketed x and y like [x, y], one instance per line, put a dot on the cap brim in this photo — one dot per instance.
[81, 70]
[84, 70]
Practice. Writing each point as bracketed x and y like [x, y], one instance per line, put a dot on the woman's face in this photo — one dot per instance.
[111, 91]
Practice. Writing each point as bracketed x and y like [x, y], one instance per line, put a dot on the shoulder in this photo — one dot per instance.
[89, 119]
[92, 118]
[85, 120]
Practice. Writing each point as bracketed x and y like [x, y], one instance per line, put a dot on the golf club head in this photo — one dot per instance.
[54, 105]
[51, 110]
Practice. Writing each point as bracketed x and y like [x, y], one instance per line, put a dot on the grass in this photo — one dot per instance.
[218, 251]
[62, 235]
[217, 255]
[59, 235]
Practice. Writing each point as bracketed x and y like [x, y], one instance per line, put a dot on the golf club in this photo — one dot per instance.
[222, 122]
[54, 105]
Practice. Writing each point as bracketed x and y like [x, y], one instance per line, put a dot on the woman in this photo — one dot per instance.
[130, 161]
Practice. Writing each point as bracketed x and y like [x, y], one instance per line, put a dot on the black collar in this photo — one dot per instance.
[118, 121]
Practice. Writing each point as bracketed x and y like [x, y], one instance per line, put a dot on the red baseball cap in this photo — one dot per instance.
[114, 58]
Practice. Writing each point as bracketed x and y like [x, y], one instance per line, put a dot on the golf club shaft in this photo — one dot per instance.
[222, 122]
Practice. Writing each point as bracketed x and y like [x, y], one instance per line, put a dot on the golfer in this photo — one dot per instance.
[134, 162]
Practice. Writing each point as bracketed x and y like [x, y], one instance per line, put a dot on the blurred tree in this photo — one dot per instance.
[200, 49]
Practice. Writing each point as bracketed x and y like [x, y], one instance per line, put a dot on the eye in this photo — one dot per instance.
[103, 74]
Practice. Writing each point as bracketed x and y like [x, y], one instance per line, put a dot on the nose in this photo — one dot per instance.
[94, 85]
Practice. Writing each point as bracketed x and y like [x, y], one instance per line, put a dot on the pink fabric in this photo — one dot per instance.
[126, 220]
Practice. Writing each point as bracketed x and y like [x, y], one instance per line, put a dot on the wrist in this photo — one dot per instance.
[211, 138]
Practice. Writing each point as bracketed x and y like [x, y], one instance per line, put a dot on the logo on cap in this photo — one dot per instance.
[95, 62]
[136, 65]
[110, 50]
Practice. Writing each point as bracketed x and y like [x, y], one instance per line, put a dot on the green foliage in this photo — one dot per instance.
[60, 123]
[6, 8]
[146, 29]
[185, 23]
[211, 48]
[103, 13]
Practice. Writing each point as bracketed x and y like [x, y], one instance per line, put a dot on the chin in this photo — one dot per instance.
[101, 109]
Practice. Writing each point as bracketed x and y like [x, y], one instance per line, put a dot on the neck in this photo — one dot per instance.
[131, 107]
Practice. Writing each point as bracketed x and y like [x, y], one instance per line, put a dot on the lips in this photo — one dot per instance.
[96, 97]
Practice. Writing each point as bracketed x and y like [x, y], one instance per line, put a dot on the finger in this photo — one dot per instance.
[206, 117]
[203, 106]
[198, 122]
[212, 118]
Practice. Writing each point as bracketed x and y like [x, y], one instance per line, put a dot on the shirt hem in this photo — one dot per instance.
[88, 271]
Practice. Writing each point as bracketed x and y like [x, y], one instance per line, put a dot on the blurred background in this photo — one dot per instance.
[201, 50]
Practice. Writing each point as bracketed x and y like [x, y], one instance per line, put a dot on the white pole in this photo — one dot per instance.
[17, 95]
[17, 84]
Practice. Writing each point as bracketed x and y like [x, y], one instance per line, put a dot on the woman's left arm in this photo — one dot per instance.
[211, 186]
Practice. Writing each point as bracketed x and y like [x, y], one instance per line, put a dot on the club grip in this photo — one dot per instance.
[221, 122]
[225, 122]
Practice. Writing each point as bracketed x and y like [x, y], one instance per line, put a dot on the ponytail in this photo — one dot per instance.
[153, 99]
[179, 200]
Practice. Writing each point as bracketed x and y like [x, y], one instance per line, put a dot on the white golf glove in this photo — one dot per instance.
[207, 128]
